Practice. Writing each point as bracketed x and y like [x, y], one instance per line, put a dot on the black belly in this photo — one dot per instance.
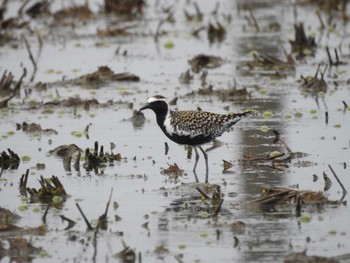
[197, 140]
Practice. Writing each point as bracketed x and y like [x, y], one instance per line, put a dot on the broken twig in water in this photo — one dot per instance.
[23, 183]
[102, 220]
[255, 23]
[337, 61]
[84, 217]
[166, 148]
[30, 57]
[45, 213]
[327, 182]
[279, 139]
[218, 208]
[338, 180]
[71, 222]
[77, 162]
[202, 193]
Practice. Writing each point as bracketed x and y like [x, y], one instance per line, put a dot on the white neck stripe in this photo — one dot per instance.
[153, 99]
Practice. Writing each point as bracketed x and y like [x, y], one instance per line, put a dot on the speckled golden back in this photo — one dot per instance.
[201, 122]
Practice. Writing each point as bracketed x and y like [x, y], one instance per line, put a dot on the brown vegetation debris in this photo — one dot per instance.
[173, 171]
[73, 102]
[227, 165]
[103, 75]
[33, 128]
[204, 61]
[267, 61]
[333, 8]
[9, 161]
[50, 187]
[313, 84]
[302, 45]
[5, 87]
[99, 158]
[280, 196]
[127, 254]
[301, 257]
[216, 199]
[197, 16]
[20, 250]
[207, 204]
[229, 94]
[186, 77]
[216, 33]
[82, 12]
[272, 160]
[124, 7]
[113, 32]
[238, 227]
[38, 9]
[5, 84]
[64, 150]
[40, 166]
[337, 61]
[275, 162]
[6, 216]
[138, 118]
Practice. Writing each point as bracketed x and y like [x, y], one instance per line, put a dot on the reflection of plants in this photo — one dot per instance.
[173, 172]
[274, 160]
[9, 161]
[280, 197]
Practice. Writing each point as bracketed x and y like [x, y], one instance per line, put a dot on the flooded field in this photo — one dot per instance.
[73, 80]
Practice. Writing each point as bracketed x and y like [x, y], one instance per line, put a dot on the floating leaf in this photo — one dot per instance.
[305, 219]
[275, 153]
[298, 114]
[36, 209]
[182, 246]
[43, 253]
[57, 200]
[169, 45]
[10, 133]
[77, 134]
[332, 232]
[204, 214]
[22, 208]
[267, 114]
[313, 111]
[25, 158]
[48, 111]
[263, 91]
[264, 128]
[203, 234]
[337, 125]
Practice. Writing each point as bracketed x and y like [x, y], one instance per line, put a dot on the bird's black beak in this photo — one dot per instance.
[145, 107]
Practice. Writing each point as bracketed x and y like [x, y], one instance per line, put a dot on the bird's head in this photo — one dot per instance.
[158, 104]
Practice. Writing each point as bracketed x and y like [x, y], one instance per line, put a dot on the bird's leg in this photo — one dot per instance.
[206, 163]
[196, 158]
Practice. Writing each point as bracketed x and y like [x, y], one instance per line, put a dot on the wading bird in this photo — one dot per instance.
[192, 128]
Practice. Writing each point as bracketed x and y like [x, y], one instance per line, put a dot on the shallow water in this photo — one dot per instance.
[143, 193]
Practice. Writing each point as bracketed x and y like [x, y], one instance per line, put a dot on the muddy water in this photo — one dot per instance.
[154, 220]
